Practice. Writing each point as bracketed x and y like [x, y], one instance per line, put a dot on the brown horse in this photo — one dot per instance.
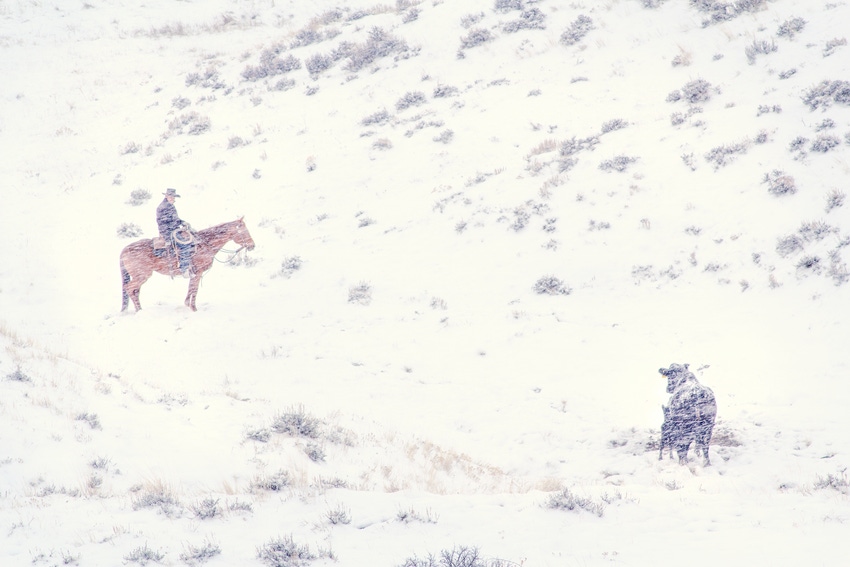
[138, 261]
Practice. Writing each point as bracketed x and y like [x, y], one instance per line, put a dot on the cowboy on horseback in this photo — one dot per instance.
[176, 232]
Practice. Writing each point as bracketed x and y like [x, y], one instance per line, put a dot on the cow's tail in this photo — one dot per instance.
[125, 279]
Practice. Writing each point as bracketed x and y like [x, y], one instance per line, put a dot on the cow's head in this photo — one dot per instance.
[675, 374]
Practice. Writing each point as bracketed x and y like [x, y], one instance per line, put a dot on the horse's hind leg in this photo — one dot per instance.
[133, 289]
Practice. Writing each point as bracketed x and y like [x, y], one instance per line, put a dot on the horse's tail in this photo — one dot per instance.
[125, 279]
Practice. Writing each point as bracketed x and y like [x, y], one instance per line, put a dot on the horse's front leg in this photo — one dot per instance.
[194, 282]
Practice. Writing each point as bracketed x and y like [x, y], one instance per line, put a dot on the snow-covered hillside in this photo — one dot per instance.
[481, 228]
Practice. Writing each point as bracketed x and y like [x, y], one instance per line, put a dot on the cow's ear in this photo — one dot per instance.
[686, 365]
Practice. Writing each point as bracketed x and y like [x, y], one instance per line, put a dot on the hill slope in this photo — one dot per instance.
[480, 228]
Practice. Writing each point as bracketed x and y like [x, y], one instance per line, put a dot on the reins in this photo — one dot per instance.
[233, 254]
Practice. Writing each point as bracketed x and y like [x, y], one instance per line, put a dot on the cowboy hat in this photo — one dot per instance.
[171, 193]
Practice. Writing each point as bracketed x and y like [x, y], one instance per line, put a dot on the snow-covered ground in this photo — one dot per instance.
[379, 381]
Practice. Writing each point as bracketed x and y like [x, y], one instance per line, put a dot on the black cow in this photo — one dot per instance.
[689, 417]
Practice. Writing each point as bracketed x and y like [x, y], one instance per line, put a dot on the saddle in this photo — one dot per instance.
[161, 247]
[181, 237]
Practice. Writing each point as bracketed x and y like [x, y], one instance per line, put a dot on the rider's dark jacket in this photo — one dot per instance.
[167, 219]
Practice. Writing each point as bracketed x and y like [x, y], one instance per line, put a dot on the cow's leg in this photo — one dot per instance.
[682, 451]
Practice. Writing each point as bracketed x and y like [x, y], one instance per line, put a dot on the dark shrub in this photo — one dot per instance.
[413, 98]
[789, 28]
[827, 92]
[476, 36]
[577, 30]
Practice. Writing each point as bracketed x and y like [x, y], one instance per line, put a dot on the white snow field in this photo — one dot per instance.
[481, 228]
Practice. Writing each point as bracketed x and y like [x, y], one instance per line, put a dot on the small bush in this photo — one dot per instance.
[445, 91]
[315, 452]
[411, 515]
[380, 44]
[573, 146]
[698, 90]
[90, 418]
[180, 102]
[271, 64]
[722, 155]
[238, 506]
[827, 92]
[305, 37]
[550, 285]
[790, 28]
[209, 79]
[567, 500]
[284, 85]
[577, 30]
[138, 197]
[261, 434]
[475, 37]
[532, 19]
[382, 144]
[815, 230]
[788, 245]
[197, 555]
[338, 515]
[284, 552]
[378, 118]
[158, 497]
[797, 144]
[470, 20]
[410, 15]
[837, 482]
[787, 74]
[618, 163]
[18, 376]
[290, 265]
[507, 5]
[274, 483]
[412, 98]
[130, 148]
[824, 143]
[190, 123]
[811, 263]
[720, 11]
[455, 557]
[206, 508]
[318, 63]
[674, 96]
[143, 555]
[832, 45]
[297, 423]
[616, 124]
[834, 199]
[779, 183]
[826, 124]
[360, 293]
[759, 47]
[445, 137]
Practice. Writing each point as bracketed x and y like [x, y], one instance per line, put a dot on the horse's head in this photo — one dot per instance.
[242, 237]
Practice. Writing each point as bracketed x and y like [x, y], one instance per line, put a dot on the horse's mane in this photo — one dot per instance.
[207, 234]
